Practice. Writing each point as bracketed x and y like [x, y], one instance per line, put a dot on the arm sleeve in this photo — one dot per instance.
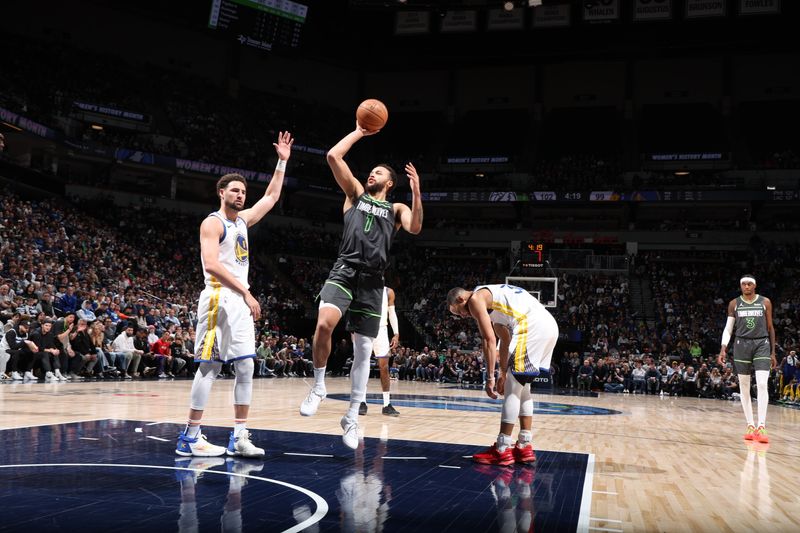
[393, 320]
[728, 331]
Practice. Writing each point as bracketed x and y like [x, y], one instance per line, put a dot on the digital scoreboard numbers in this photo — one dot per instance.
[532, 257]
[261, 24]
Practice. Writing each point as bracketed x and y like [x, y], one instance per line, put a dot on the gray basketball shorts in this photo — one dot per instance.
[358, 294]
[750, 354]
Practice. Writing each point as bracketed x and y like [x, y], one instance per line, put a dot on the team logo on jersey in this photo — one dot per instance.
[240, 249]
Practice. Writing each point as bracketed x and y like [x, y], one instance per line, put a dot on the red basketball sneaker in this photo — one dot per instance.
[750, 434]
[761, 435]
[492, 457]
[524, 455]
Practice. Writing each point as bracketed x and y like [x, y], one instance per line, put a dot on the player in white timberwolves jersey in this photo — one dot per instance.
[226, 311]
[528, 334]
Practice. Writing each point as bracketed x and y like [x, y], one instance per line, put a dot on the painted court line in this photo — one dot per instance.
[604, 492]
[319, 514]
[87, 438]
[308, 454]
[157, 438]
[154, 423]
[406, 458]
[605, 529]
[586, 497]
[605, 520]
[448, 466]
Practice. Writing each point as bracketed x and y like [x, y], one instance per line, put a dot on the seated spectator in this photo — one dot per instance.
[82, 365]
[585, 374]
[639, 375]
[127, 354]
[45, 341]
[21, 352]
[614, 380]
[653, 379]
[86, 313]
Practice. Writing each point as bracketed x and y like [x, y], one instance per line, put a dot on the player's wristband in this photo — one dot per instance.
[281, 166]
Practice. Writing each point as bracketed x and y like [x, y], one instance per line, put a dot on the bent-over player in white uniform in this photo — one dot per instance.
[528, 334]
[382, 348]
[226, 311]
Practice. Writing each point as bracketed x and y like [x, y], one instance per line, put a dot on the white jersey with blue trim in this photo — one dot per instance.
[512, 305]
[234, 250]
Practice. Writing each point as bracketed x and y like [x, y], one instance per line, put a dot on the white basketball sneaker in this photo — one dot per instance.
[50, 377]
[29, 376]
[59, 375]
[350, 435]
[242, 446]
[197, 447]
[16, 376]
[311, 403]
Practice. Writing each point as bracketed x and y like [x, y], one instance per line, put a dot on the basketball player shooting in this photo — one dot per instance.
[355, 284]
[526, 327]
[225, 329]
[750, 316]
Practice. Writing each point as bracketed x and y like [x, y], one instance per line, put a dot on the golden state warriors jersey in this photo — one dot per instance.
[512, 305]
[234, 251]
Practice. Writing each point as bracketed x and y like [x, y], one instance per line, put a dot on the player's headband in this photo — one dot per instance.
[747, 278]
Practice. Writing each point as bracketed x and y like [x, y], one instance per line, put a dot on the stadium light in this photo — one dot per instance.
[534, 3]
[508, 6]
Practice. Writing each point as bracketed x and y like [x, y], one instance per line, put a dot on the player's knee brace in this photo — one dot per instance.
[203, 380]
[511, 402]
[244, 370]
[243, 386]
[526, 401]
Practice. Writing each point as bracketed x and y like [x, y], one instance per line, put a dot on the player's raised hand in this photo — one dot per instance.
[284, 145]
[364, 131]
[413, 177]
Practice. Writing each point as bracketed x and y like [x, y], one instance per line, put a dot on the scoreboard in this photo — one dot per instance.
[261, 24]
[532, 257]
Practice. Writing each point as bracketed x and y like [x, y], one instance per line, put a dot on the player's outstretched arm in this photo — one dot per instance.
[411, 219]
[284, 149]
[344, 177]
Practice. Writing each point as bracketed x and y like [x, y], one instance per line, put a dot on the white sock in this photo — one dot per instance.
[747, 403]
[524, 438]
[238, 426]
[192, 429]
[386, 398]
[762, 376]
[352, 411]
[503, 442]
[319, 380]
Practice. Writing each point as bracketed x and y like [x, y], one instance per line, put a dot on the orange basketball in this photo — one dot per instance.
[372, 114]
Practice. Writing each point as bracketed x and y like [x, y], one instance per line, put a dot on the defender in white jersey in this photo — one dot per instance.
[381, 348]
[528, 334]
[226, 311]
